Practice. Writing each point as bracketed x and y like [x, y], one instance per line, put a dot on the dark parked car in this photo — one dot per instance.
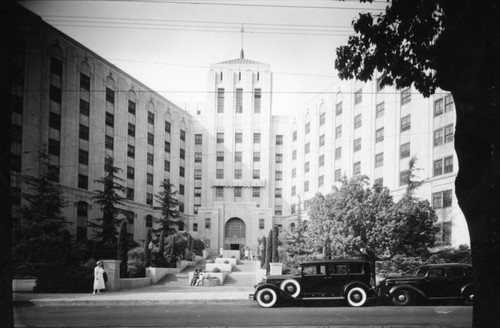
[433, 281]
[351, 280]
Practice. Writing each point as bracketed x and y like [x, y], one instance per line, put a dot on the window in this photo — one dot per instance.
[131, 130]
[220, 156]
[322, 140]
[308, 127]
[83, 181]
[166, 165]
[219, 174]
[53, 173]
[110, 96]
[167, 126]
[182, 171]
[294, 136]
[198, 139]
[220, 137]
[379, 135]
[294, 190]
[306, 167]
[279, 158]
[261, 224]
[278, 192]
[405, 96]
[55, 94]
[358, 96]
[130, 151]
[294, 154]
[279, 175]
[108, 142]
[55, 121]
[338, 175]
[306, 186]
[197, 174]
[338, 108]
[307, 148]
[131, 107]
[448, 164]
[294, 173]
[130, 172]
[338, 153]
[379, 182]
[151, 118]
[197, 192]
[239, 100]
[256, 101]
[405, 123]
[84, 82]
[237, 174]
[56, 66]
[379, 160]
[380, 110]
[149, 179]
[438, 107]
[238, 156]
[380, 86]
[277, 210]
[130, 193]
[181, 189]
[357, 121]
[198, 157]
[255, 192]
[220, 100]
[442, 199]
[208, 223]
[183, 135]
[84, 108]
[438, 167]
[438, 137]
[167, 147]
[149, 198]
[256, 138]
[322, 119]
[447, 197]
[256, 174]
[83, 157]
[182, 153]
[404, 150]
[279, 140]
[238, 137]
[150, 159]
[219, 192]
[321, 160]
[357, 144]
[404, 177]
[448, 133]
[449, 104]
[356, 168]
[151, 139]
[256, 156]
[195, 225]
[84, 132]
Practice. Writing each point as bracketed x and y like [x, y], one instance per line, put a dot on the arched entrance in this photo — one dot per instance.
[235, 234]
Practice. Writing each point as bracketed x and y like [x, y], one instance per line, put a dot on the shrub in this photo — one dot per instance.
[226, 262]
[233, 257]
[216, 270]
[136, 262]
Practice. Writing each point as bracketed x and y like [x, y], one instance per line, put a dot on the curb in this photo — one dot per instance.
[83, 303]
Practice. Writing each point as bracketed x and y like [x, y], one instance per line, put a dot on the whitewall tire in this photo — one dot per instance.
[291, 287]
[267, 297]
[356, 296]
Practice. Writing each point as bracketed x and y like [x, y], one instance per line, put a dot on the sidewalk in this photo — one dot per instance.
[150, 295]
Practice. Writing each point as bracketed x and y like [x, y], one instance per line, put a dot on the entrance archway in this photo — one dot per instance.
[235, 234]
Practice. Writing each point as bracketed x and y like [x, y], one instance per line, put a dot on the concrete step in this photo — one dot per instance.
[240, 279]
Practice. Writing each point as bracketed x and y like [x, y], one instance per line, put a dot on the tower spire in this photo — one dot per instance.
[242, 54]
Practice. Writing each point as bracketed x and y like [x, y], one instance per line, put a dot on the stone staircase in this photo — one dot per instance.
[243, 274]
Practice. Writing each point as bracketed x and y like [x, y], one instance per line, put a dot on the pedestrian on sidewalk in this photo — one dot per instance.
[247, 253]
[99, 278]
[196, 276]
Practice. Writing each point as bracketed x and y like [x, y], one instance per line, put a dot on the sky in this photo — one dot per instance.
[170, 45]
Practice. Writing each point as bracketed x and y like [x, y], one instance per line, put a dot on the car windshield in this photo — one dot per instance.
[422, 271]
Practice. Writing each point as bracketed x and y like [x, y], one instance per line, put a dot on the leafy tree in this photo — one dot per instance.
[263, 252]
[42, 222]
[452, 45]
[123, 248]
[269, 250]
[275, 255]
[108, 200]
[169, 207]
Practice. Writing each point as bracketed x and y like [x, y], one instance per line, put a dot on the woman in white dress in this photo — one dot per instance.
[98, 278]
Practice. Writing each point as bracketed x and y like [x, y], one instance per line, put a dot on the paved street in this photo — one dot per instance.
[243, 315]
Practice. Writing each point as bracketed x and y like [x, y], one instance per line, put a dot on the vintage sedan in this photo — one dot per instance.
[433, 281]
[350, 280]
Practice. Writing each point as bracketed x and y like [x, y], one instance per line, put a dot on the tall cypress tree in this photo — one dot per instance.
[123, 248]
[169, 207]
[263, 253]
[275, 255]
[269, 248]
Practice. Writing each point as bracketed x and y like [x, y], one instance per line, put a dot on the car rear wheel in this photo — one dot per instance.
[267, 297]
[401, 297]
[356, 296]
[468, 296]
[291, 287]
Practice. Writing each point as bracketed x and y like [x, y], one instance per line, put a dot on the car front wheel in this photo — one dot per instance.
[468, 296]
[356, 296]
[267, 297]
[401, 297]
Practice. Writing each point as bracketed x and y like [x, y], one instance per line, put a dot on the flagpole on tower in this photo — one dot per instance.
[242, 54]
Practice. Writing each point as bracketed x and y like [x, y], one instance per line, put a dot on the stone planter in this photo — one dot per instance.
[211, 282]
[209, 267]
[231, 260]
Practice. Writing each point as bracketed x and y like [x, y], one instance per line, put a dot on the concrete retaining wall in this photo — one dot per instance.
[231, 260]
[156, 274]
[221, 266]
[131, 283]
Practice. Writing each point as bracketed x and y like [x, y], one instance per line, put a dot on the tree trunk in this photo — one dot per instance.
[477, 187]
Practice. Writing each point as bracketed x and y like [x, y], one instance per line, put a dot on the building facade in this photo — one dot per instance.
[238, 168]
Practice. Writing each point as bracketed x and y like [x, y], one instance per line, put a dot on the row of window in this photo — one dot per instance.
[239, 100]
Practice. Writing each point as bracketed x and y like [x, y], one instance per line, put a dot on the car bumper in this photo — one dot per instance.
[251, 297]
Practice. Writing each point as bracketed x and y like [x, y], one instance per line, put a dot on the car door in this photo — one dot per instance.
[338, 277]
[456, 280]
[315, 281]
[435, 283]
